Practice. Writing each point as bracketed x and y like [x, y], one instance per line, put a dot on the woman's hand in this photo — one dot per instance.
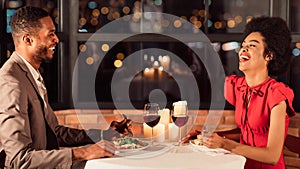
[217, 141]
[190, 136]
[214, 141]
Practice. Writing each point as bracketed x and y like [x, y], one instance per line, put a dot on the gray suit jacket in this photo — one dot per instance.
[29, 133]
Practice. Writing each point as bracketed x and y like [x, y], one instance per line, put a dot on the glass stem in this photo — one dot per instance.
[152, 135]
[179, 135]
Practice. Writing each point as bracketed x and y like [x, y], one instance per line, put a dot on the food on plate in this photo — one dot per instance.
[129, 143]
[199, 140]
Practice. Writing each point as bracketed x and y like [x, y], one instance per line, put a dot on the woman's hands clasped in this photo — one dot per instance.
[213, 141]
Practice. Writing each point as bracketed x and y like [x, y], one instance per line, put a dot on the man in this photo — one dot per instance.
[29, 132]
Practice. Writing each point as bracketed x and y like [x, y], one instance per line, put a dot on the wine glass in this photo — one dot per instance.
[180, 115]
[151, 116]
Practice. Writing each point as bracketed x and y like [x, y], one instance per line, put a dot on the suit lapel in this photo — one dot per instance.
[24, 68]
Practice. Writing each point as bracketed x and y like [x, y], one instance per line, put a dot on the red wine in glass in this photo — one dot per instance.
[180, 121]
[151, 116]
[180, 115]
[151, 120]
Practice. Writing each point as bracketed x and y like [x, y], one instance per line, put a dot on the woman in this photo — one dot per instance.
[263, 106]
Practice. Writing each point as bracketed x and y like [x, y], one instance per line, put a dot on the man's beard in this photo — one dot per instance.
[41, 54]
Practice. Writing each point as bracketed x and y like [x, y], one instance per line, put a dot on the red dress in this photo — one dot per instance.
[254, 121]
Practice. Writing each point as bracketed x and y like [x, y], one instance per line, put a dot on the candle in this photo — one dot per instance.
[164, 119]
[164, 116]
[147, 131]
[173, 132]
[158, 132]
[149, 73]
[165, 62]
[180, 108]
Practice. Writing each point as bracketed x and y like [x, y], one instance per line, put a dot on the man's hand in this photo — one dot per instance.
[124, 127]
[118, 129]
[100, 149]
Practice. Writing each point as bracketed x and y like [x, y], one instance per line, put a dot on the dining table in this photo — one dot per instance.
[170, 155]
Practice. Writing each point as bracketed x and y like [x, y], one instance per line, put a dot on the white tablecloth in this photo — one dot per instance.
[168, 156]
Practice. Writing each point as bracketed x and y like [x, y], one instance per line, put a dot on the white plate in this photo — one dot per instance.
[145, 144]
[151, 151]
[206, 149]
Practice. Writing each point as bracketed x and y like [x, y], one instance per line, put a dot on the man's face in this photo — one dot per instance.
[46, 40]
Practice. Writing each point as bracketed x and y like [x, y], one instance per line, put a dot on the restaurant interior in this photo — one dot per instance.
[114, 56]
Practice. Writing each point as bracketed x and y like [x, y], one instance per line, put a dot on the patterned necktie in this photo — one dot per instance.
[42, 89]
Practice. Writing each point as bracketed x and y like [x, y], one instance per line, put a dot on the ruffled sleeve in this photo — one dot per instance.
[229, 93]
[281, 92]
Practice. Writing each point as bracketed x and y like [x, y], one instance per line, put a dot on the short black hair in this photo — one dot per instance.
[26, 19]
[277, 37]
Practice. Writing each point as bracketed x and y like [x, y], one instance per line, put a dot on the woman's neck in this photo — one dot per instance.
[256, 78]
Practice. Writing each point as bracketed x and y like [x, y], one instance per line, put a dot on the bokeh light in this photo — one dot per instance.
[120, 56]
[177, 23]
[126, 10]
[116, 15]
[193, 19]
[238, 19]
[104, 10]
[118, 63]
[198, 24]
[296, 52]
[202, 13]
[92, 4]
[218, 25]
[82, 21]
[89, 60]
[105, 47]
[82, 47]
[230, 46]
[94, 21]
[96, 12]
[158, 2]
[231, 23]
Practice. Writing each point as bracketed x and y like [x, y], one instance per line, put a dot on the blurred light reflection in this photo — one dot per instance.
[230, 46]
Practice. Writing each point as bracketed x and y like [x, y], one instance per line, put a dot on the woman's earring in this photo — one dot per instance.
[269, 57]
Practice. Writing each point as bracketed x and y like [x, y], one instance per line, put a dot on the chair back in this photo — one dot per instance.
[2, 158]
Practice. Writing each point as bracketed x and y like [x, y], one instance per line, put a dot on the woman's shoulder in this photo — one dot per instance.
[279, 91]
[234, 79]
[276, 86]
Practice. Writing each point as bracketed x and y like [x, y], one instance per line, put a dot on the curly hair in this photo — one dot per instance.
[277, 37]
[26, 20]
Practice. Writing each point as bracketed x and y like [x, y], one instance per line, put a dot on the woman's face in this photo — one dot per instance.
[251, 54]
